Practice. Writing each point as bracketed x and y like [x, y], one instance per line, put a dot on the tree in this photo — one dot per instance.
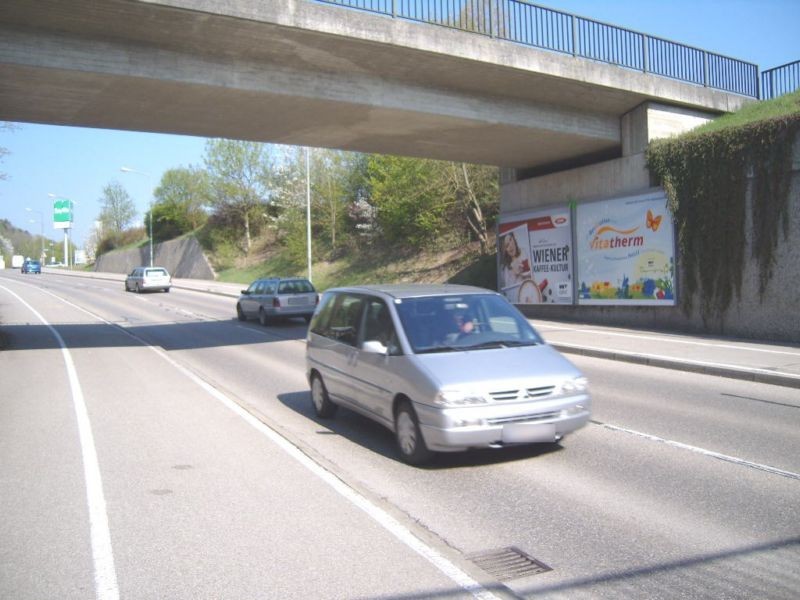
[474, 192]
[288, 206]
[418, 201]
[239, 179]
[410, 212]
[181, 198]
[117, 208]
[338, 179]
[476, 16]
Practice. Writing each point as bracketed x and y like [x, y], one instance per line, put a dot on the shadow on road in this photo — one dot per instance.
[376, 438]
[169, 336]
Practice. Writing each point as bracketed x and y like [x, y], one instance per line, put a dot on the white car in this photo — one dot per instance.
[146, 279]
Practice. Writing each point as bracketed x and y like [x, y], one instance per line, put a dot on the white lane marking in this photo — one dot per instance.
[383, 518]
[703, 451]
[105, 576]
[699, 363]
[661, 339]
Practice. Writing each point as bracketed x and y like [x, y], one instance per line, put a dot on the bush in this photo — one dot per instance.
[121, 239]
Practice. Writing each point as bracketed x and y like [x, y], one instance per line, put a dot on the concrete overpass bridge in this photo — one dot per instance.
[308, 73]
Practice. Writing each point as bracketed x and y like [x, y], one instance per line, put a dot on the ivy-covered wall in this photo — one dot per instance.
[727, 191]
[730, 193]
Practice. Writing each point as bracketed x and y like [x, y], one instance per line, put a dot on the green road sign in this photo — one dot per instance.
[62, 213]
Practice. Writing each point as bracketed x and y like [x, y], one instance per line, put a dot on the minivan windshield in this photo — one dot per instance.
[463, 322]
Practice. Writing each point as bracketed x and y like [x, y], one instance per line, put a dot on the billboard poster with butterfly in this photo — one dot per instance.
[626, 251]
[535, 257]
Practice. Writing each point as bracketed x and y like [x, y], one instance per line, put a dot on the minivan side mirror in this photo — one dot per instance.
[374, 347]
[245, 292]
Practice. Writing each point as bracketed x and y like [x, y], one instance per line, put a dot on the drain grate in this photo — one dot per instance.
[508, 563]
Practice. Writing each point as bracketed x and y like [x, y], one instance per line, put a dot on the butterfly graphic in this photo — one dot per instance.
[653, 222]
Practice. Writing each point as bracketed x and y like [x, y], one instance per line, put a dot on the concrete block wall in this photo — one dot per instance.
[183, 258]
[775, 317]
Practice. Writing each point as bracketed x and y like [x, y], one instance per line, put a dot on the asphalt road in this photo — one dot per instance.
[199, 471]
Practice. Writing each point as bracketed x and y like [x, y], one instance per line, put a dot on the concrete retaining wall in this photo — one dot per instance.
[183, 258]
[775, 317]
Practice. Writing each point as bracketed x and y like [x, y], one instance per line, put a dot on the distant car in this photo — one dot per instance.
[147, 279]
[32, 266]
[277, 297]
[445, 367]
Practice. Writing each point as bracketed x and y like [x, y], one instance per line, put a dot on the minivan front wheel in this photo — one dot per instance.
[319, 397]
[409, 436]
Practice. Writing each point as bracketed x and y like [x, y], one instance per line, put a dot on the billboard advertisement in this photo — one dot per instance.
[535, 257]
[62, 213]
[626, 251]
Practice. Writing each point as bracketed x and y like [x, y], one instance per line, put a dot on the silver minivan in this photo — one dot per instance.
[445, 367]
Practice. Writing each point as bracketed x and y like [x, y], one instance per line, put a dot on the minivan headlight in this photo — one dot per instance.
[458, 398]
[573, 386]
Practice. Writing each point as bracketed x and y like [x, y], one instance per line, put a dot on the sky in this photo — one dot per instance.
[77, 163]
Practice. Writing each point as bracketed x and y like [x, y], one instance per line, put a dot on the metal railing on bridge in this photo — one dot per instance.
[526, 23]
[780, 80]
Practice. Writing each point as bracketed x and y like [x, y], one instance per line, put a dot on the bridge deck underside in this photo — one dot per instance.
[372, 86]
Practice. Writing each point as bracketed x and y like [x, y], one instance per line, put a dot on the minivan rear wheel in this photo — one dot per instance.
[409, 436]
[262, 317]
[320, 399]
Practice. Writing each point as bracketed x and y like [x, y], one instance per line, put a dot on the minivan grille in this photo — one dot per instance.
[524, 418]
[505, 395]
[540, 392]
[537, 392]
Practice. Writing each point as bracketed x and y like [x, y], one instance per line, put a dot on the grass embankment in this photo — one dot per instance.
[456, 265]
[757, 111]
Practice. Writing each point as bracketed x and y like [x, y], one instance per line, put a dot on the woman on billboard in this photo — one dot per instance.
[516, 267]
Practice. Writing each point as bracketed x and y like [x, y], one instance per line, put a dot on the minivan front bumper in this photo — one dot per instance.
[492, 425]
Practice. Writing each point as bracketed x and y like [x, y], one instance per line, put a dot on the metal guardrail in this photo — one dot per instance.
[780, 80]
[526, 23]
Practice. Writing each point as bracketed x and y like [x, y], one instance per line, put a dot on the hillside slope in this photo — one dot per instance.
[462, 264]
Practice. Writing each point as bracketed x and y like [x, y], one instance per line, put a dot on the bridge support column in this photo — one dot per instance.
[619, 176]
[650, 121]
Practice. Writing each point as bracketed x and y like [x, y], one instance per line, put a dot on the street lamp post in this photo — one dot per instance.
[150, 235]
[308, 212]
[41, 228]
